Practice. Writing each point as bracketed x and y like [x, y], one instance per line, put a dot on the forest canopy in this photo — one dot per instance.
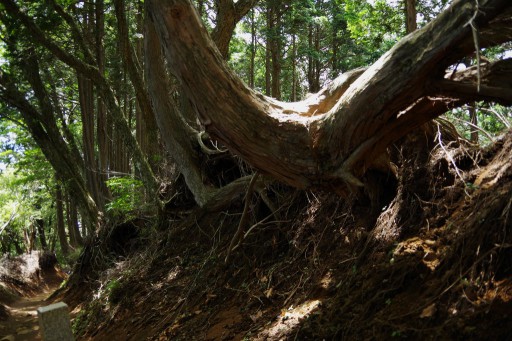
[105, 99]
[269, 170]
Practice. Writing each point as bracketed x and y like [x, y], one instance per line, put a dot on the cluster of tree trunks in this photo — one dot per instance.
[40, 233]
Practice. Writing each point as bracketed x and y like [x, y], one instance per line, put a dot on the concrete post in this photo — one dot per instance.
[54, 323]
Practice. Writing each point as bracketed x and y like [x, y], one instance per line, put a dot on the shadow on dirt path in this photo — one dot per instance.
[23, 325]
[26, 281]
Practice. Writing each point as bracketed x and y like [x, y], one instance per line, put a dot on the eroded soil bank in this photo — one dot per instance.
[427, 256]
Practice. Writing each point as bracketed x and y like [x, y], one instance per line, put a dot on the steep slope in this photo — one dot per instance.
[425, 254]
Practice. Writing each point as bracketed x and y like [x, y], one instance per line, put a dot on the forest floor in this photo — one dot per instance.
[24, 287]
[427, 257]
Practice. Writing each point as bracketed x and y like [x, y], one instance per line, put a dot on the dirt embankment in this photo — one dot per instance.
[25, 283]
[428, 255]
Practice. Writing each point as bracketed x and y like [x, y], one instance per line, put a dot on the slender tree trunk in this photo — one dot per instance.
[314, 66]
[30, 237]
[253, 51]
[311, 70]
[73, 228]
[275, 47]
[146, 126]
[53, 240]
[317, 63]
[61, 229]
[410, 15]
[72, 233]
[293, 96]
[268, 56]
[101, 112]
[39, 223]
[86, 98]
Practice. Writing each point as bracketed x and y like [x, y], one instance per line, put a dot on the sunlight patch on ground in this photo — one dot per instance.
[326, 280]
[289, 320]
[173, 273]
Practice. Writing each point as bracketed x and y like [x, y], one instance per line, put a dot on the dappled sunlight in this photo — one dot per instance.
[257, 171]
[289, 319]
[295, 113]
[326, 281]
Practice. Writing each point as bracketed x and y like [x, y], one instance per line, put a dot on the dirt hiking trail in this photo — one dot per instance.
[23, 325]
[26, 281]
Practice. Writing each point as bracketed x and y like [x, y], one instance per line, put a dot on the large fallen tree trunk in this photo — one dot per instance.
[332, 138]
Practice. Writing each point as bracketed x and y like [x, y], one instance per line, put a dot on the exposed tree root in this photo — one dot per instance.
[431, 261]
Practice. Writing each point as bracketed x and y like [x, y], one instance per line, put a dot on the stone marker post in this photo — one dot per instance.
[54, 322]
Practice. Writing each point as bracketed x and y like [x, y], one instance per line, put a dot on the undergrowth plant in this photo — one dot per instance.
[128, 196]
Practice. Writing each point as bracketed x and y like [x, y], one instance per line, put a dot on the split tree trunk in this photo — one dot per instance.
[177, 135]
[329, 140]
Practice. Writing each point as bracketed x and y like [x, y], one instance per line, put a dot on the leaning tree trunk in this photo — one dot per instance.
[333, 137]
[178, 136]
[91, 72]
[179, 133]
[43, 128]
[40, 232]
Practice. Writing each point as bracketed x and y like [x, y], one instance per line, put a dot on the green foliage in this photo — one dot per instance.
[127, 194]
[67, 262]
[23, 198]
[114, 291]
[491, 120]
[375, 26]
